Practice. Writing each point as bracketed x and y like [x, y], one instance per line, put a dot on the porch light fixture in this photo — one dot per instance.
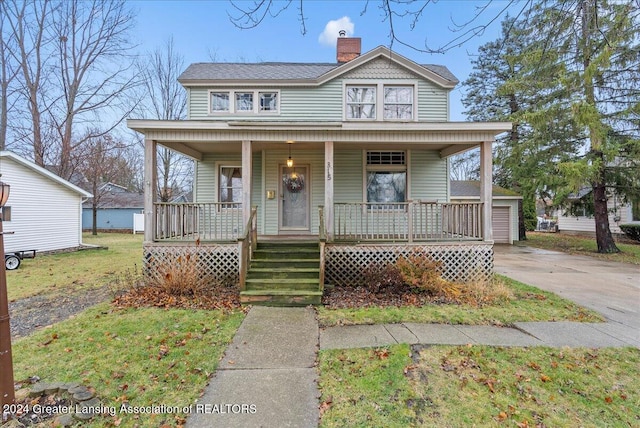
[7, 392]
[289, 161]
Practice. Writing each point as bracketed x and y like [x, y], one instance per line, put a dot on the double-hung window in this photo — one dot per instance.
[230, 186]
[379, 102]
[398, 102]
[361, 102]
[386, 179]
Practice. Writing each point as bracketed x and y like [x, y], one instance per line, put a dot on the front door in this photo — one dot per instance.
[294, 195]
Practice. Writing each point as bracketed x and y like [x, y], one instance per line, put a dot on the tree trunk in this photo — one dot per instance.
[604, 238]
[94, 215]
[522, 230]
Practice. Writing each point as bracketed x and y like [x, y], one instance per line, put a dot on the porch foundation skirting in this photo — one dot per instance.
[344, 263]
[461, 262]
[218, 261]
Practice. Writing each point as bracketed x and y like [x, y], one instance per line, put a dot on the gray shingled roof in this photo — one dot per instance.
[469, 188]
[274, 71]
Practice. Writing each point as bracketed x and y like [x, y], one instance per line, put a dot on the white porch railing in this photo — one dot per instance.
[408, 221]
[216, 221]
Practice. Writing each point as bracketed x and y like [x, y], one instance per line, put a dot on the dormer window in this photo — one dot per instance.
[220, 101]
[244, 102]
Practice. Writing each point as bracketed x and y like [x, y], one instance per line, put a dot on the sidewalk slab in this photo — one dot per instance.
[258, 398]
[626, 334]
[355, 336]
[438, 334]
[498, 336]
[401, 333]
[274, 338]
[573, 334]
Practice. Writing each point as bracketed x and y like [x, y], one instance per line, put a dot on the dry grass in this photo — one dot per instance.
[181, 277]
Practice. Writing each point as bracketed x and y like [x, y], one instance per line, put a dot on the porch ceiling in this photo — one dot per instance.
[195, 138]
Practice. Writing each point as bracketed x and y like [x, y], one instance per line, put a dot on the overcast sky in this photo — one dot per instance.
[202, 31]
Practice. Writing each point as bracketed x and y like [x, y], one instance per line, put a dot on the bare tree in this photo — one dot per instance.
[93, 44]
[27, 23]
[8, 72]
[165, 99]
[102, 161]
[247, 15]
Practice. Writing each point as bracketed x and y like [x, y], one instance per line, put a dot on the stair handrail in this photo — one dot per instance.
[322, 235]
[247, 243]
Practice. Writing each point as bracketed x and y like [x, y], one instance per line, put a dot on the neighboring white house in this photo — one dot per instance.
[578, 217]
[504, 215]
[44, 211]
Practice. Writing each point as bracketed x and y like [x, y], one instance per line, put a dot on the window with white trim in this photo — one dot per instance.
[386, 178]
[219, 102]
[360, 102]
[380, 102]
[398, 102]
[244, 102]
[268, 101]
[230, 185]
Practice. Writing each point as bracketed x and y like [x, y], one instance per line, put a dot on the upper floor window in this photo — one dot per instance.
[244, 102]
[268, 101]
[379, 102]
[219, 101]
[361, 102]
[398, 102]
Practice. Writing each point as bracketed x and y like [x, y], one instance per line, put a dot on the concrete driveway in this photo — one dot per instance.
[612, 289]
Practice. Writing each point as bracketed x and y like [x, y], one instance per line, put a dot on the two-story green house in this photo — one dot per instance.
[351, 156]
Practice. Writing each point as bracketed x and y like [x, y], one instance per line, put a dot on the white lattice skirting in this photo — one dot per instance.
[215, 261]
[344, 264]
[462, 263]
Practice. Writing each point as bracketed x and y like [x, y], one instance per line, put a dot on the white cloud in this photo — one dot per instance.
[330, 34]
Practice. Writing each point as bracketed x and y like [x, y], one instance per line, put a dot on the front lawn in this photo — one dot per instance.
[139, 357]
[527, 304]
[586, 246]
[461, 386]
[65, 273]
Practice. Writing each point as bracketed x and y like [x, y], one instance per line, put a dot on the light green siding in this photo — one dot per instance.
[433, 102]
[348, 176]
[428, 176]
[326, 102]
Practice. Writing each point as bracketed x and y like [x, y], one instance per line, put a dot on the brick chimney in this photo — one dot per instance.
[348, 48]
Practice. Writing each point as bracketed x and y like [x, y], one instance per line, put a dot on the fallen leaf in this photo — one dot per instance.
[502, 416]
[545, 378]
[608, 400]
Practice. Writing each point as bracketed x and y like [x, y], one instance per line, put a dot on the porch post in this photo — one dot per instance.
[486, 188]
[150, 178]
[246, 183]
[328, 189]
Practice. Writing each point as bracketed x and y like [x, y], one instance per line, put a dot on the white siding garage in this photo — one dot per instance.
[45, 210]
[505, 208]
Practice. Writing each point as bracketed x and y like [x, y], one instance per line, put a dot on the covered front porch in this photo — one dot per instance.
[332, 206]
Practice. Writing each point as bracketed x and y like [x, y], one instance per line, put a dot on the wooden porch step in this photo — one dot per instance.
[284, 274]
[284, 283]
[281, 297]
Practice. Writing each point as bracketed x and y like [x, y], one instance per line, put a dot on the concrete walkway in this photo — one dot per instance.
[268, 375]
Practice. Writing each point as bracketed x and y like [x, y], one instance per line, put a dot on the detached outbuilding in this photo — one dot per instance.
[44, 211]
[504, 215]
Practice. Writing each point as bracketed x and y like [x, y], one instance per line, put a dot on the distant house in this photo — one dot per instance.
[44, 211]
[577, 216]
[504, 216]
[117, 205]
